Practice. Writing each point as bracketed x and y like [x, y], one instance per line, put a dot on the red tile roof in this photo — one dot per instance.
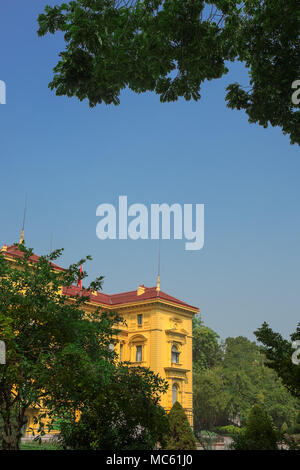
[13, 252]
[126, 297]
[150, 293]
[99, 297]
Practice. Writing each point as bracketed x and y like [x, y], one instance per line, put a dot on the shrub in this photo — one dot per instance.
[258, 434]
[229, 430]
[181, 436]
[296, 428]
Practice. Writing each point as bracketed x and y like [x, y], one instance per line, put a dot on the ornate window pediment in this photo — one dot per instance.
[137, 339]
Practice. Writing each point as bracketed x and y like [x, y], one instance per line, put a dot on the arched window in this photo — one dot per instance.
[139, 353]
[138, 348]
[174, 393]
[175, 354]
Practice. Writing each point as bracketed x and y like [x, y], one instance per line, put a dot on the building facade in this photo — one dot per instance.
[157, 334]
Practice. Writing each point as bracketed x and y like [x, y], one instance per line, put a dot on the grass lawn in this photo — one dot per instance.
[40, 446]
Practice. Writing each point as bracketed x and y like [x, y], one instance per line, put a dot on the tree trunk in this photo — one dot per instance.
[12, 430]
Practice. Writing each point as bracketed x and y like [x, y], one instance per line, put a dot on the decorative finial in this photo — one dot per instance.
[21, 237]
[158, 283]
[158, 271]
[24, 217]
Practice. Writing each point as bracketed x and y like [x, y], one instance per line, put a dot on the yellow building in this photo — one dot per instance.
[158, 335]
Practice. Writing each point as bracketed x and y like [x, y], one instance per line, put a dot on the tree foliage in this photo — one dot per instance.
[226, 393]
[296, 428]
[124, 416]
[58, 357]
[279, 353]
[55, 349]
[207, 351]
[259, 432]
[171, 47]
[180, 436]
[267, 41]
[211, 399]
[250, 381]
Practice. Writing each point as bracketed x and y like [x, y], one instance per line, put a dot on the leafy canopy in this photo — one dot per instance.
[279, 353]
[57, 350]
[172, 46]
[125, 416]
[210, 399]
[207, 352]
[226, 392]
[59, 362]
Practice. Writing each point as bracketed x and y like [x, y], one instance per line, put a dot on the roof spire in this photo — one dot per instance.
[158, 271]
[51, 242]
[158, 283]
[24, 218]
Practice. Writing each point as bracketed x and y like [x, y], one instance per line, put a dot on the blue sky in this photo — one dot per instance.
[70, 158]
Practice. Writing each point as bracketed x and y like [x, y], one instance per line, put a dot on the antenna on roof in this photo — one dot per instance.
[158, 270]
[51, 242]
[24, 218]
